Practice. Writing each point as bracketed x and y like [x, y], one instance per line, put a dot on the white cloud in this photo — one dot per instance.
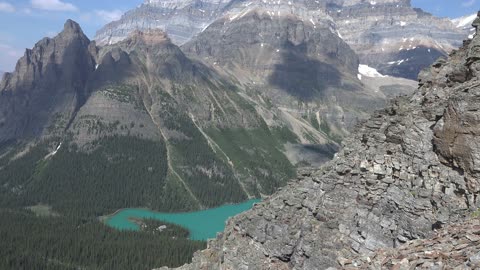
[469, 3]
[101, 16]
[109, 15]
[6, 7]
[53, 5]
[51, 34]
[86, 17]
[27, 11]
[9, 56]
[11, 51]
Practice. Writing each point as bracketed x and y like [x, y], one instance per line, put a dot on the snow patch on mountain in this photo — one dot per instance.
[367, 71]
[464, 22]
[54, 152]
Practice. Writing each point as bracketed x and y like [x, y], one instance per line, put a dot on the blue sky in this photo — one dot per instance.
[448, 8]
[24, 22]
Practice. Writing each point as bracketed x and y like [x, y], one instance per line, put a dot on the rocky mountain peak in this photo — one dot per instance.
[72, 33]
[151, 36]
[48, 54]
[50, 77]
[476, 22]
[71, 26]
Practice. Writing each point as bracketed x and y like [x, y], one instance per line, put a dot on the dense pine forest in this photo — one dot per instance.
[78, 187]
[30, 242]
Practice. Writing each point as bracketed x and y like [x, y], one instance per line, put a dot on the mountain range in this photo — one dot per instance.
[288, 93]
[402, 39]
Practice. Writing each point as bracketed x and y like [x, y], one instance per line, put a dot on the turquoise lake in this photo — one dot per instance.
[202, 225]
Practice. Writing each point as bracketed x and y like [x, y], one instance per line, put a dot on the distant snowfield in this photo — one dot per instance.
[464, 22]
[364, 70]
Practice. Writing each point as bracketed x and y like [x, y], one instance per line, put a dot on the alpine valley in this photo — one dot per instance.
[188, 105]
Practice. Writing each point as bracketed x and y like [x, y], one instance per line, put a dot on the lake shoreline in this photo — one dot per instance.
[203, 224]
[105, 217]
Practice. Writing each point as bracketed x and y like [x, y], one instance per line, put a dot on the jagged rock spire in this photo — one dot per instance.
[474, 50]
[476, 22]
[71, 25]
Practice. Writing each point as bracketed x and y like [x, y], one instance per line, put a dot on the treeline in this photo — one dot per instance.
[29, 242]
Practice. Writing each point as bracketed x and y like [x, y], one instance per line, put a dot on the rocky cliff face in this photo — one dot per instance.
[180, 19]
[408, 170]
[388, 35]
[48, 79]
[453, 247]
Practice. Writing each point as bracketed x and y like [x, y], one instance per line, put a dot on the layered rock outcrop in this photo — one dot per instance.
[406, 172]
[453, 247]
